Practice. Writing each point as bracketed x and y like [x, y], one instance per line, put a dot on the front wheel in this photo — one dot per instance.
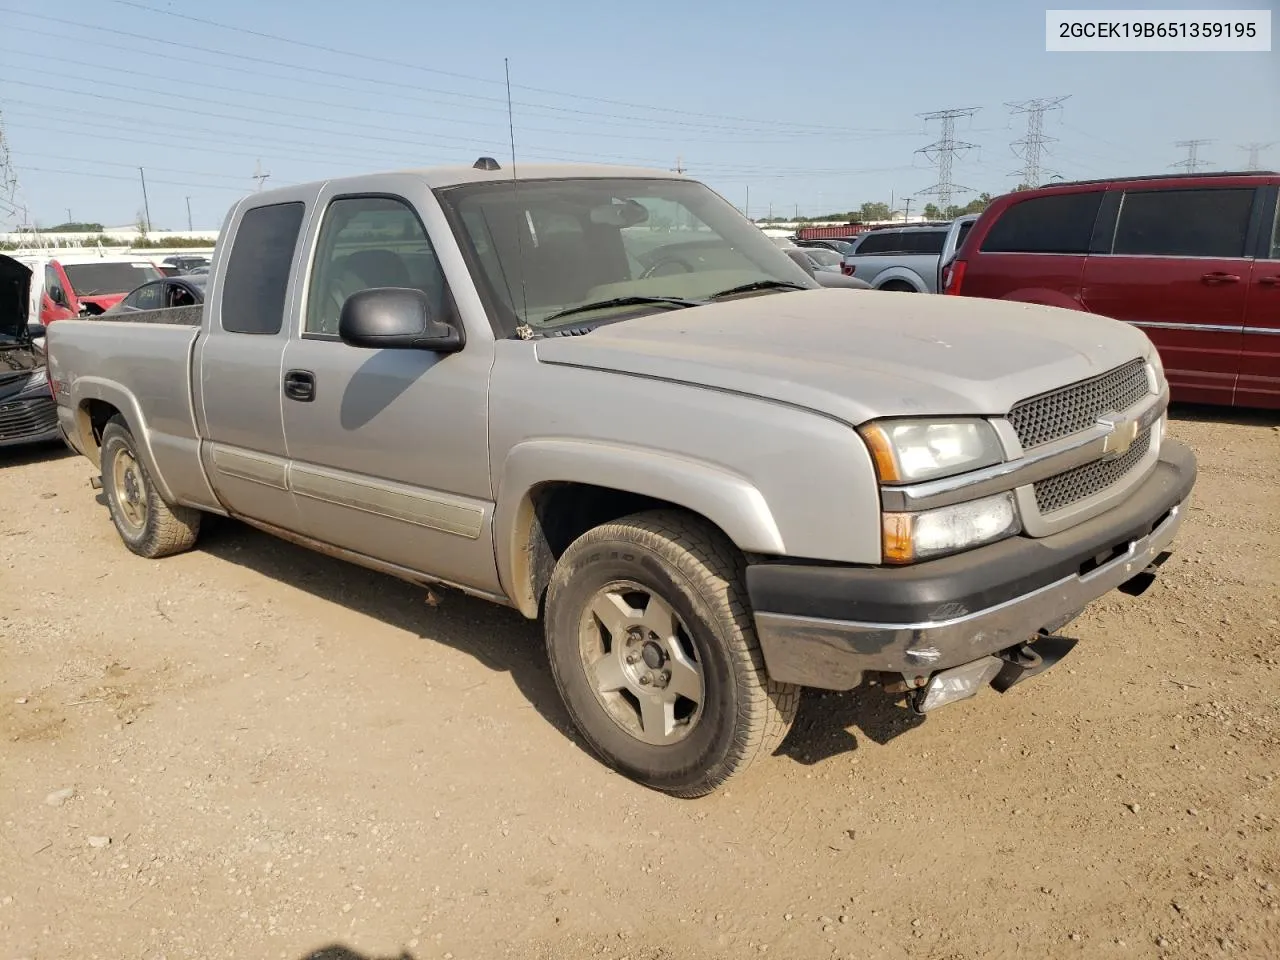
[654, 651]
[148, 526]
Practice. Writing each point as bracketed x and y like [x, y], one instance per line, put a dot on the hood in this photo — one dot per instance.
[859, 355]
[15, 298]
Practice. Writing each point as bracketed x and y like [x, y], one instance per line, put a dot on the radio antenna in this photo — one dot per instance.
[523, 330]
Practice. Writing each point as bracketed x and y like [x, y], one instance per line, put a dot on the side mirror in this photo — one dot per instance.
[390, 318]
[35, 330]
[801, 258]
[57, 296]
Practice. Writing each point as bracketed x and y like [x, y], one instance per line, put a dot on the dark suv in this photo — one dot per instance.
[1194, 260]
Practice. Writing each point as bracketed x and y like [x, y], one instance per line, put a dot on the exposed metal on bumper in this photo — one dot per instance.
[834, 654]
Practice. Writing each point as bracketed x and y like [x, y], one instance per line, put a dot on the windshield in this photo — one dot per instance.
[546, 247]
[100, 279]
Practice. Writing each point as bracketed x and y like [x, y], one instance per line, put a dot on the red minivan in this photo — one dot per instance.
[1192, 259]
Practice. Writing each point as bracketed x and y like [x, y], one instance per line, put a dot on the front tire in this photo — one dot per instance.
[654, 652]
[148, 526]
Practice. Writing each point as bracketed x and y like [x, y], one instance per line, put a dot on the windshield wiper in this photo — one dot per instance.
[759, 285]
[623, 302]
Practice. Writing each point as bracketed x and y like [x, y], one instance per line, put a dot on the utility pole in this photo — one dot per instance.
[146, 204]
[1255, 154]
[943, 151]
[1193, 162]
[1032, 146]
[679, 167]
[747, 212]
[189, 227]
[68, 214]
[260, 175]
[906, 209]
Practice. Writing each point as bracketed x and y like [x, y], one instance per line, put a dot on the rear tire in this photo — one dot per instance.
[899, 286]
[148, 526]
[653, 648]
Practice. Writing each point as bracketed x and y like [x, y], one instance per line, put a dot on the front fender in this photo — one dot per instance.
[87, 388]
[727, 500]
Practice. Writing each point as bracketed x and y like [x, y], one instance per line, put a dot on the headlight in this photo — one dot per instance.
[1155, 371]
[906, 451]
[37, 383]
[909, 537]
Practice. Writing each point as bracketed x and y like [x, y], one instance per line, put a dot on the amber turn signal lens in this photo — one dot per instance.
[881, 452]
[899, 546]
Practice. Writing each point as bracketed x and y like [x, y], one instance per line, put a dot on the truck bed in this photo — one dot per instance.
[140, 364]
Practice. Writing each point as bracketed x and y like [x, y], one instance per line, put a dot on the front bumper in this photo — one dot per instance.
[825, 626]
[28, 419]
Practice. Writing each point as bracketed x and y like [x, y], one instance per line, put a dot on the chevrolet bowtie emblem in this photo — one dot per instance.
[1121, 437]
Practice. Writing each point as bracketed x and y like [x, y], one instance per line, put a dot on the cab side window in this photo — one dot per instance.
[368, 242]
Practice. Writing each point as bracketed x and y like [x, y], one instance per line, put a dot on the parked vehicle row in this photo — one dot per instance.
[908, 258]
[1193, 260]
[714, 479]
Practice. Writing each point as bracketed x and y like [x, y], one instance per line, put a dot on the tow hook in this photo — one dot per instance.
[95, 482]
[1022, 662]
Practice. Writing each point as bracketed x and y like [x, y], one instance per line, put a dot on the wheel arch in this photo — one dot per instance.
[553, 491]
[97, 401]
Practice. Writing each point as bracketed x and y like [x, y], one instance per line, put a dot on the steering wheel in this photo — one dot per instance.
[674, 261]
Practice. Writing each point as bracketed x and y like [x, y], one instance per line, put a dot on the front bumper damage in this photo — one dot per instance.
[945, 628]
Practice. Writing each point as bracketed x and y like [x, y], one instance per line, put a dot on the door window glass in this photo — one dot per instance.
[1184, 223]
[1057, 223]
[257, 279]
[368, 242]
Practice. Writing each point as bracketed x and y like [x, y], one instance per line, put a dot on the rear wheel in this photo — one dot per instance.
[655, 654]
[147, 525]
[899, 286]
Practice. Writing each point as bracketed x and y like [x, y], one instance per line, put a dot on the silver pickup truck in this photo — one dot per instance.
[602, 397]
[906, 259]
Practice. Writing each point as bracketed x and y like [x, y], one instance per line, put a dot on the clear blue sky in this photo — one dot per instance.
[812, 106]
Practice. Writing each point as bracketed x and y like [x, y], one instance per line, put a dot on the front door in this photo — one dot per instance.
[238, 364]
[388, 448]
[1259, 383]
[1178, 268]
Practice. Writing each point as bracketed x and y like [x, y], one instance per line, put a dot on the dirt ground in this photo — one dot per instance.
[254, 751]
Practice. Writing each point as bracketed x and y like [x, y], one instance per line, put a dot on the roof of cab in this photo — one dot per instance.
[452, 176]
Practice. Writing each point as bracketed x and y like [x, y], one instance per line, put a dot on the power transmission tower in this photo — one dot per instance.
[1032, 146]
[8, 176]
[679, 167]
[260, 175]
[1255, 154]
[943, 151]
[1193, 162]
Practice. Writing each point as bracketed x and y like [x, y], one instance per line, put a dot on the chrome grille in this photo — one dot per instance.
[27, 418]
[1070, 409]
[1070, 486]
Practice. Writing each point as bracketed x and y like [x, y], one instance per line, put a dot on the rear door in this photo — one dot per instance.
[389, 448]
[1259, 381]
[1178, 267]
[238, 361]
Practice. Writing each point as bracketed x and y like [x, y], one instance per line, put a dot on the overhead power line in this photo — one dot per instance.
[411, 65]
[1031, 147]
[943, 152]
[498, 102]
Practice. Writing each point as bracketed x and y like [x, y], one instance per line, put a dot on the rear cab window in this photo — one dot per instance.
[257, 279]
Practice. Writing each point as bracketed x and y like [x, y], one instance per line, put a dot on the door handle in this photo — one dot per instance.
[1219, 277]
[300, 385]
[1270, 281]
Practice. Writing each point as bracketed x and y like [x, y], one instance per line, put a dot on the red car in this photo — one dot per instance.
[1194, 260]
